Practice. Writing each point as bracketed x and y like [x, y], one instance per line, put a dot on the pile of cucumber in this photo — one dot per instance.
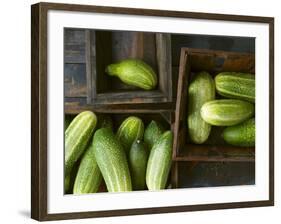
[133, 158]
[233, 107]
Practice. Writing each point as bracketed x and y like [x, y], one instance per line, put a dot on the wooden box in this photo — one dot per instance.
[107, 47]
[214, 152]
[118, 116]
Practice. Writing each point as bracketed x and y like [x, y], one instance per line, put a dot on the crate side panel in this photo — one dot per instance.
[210, 174]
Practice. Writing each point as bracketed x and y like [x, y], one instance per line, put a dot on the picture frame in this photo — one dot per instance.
[47, 112]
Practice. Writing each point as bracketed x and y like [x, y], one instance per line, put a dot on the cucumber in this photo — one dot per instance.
[88, 178]
[200, 91]
[226, 112]
[77, 137]
[104, 121]
[134, 72]
[129, 131]
[112, 161]
[159, 162]
[242, 134]
[137, 162]
[236, 85]
[152, 133]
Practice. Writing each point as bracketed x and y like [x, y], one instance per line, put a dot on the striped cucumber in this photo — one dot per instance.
[77, 136]
[152, 133]
[88, 178]
[236, 85]
[129, 131]
[112, 161]
[242, 134]
[200, 91]
[226, 112]
[159, 162]
[134, 72]
[137, 162]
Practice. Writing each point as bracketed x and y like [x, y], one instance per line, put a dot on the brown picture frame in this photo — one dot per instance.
[39, 149]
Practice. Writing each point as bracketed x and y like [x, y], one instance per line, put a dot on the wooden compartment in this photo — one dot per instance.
[214, 149]
[106, 47]
[118, 116]
[195, 60]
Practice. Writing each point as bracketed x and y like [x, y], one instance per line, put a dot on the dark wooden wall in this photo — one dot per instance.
[74, 63]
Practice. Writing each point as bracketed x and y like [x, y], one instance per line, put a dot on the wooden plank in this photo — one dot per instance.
[130, 97]
[74, 45]
[78, 104]
[74, 36]
[225, 43]
[219, 61]
[75, 82]
[175, 78]
[192, 152]
[164, 58]
[179, 130]
[90, 54]
[211, 174]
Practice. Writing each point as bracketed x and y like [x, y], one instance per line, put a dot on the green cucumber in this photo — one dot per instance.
[226, 112]
[152, 133]
[112, 161]
[242, 134]
[77, 137]
[137, 162]
[236, 85]
[159, 162]
[200, 91]
[88, 178]
[134, 72]
[129, 131]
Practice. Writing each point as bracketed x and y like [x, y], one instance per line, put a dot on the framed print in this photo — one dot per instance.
[138, 111]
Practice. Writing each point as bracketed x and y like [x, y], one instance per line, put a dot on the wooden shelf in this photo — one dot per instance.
[210, 153]
[76, 105]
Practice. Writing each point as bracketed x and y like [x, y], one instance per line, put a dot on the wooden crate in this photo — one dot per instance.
[214, 150]
[106, 47]
[118, 116]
